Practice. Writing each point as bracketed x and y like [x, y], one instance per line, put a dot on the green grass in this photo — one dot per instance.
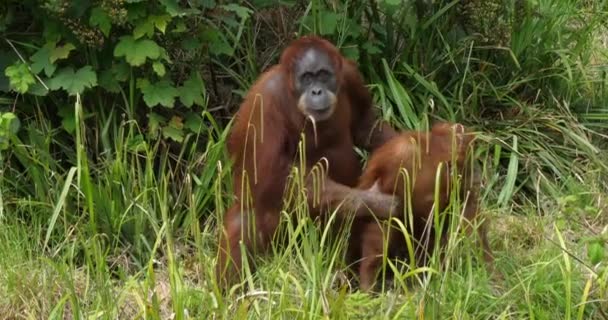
[52, 267]
[117, 225]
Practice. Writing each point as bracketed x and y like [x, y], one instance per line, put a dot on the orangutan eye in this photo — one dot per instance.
[323, 75]
[306, 78]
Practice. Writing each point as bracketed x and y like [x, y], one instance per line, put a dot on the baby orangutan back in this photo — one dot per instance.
[428, 158]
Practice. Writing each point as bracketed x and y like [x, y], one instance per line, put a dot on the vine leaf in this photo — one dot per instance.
[74, 82]
[175, 129]
[137, 51]
[194, 122]
[192, 91]
[159, 68]
[61, 52]
[162, 93]
[147, 27]
[160, 22]
[41, 60]
[19, 76]
[108, 81]
[99, 18]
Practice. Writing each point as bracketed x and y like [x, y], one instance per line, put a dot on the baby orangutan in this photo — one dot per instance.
[428, 158]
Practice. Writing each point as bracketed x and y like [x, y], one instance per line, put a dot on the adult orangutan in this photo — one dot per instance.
[312, 92]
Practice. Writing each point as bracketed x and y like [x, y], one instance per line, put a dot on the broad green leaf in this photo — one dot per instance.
[180, 27]
[191, 43]
[192, 91]
[162, 93]
[38, 89]
[41, 60]
[194, 122]
[137, 51]
[217, 43]
[61, 52]
[371, 48]
[121, 71]
[173, 133]
[241, 12]
[159, 68]
[175, 129]
[351, 52]
[144, 28]
[172, 7]
[142, 83]
[328, 23]
[160, 22]
[74, 82]
[147, 27]
[108, 81]
[99, 18]
[176, 122]
[137, 144]
[68, 118]
[20, 77]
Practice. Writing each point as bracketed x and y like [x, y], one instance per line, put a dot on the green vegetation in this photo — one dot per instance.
[114, 175]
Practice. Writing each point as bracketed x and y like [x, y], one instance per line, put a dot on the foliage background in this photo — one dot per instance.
[113, 115]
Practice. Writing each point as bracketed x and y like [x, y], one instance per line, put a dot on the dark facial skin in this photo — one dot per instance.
[315, 84]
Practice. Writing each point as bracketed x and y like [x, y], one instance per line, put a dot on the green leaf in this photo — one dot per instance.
[217, 43]
[192, 91]
[74, 82]
[99, 18]
[241, 12]
[172, 7]
[180, 27]
[162, 93]
[38, 89]
[194, 122]
[173, 133]
[159, 68]
[41, 60]
[137, 51]
[175, 129]
[160, 22]
[328, 23]
[20, 77]
[137, 144]
[61, 52]
[68, 118]
[371, 48]
[108, 81]
[143, 28]
[121, 71]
